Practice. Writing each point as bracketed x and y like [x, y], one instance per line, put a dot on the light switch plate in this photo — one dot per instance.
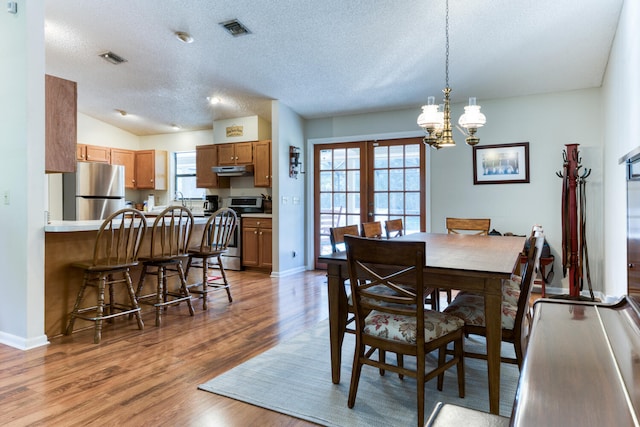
[12, 7]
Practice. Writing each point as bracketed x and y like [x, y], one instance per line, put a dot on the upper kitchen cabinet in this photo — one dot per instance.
[206, 157]
[151, 169]
[240, 153]
[262, 164]
[126, 158]
[93, 153]
[60, 124]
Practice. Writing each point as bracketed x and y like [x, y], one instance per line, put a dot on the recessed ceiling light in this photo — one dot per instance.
[175, 127]
[112, 58]
[184, 37]
[122, 112]
[235, 28]
[213, 100]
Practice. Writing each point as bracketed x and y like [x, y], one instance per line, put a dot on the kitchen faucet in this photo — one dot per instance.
[181, 198]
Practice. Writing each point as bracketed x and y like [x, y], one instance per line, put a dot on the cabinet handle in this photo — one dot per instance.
[255, 232]
[258, 223]
[261, 233]
[267, 177]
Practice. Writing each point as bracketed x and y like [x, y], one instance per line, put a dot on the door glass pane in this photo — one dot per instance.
[380, 157]
[326, 159]
[325, 202]
[381, 203]
[396, 156]
[353, 158]
[396, 179]
[353, 180]
[412, 203]
[326, 183]
[412, 156]
[339, 158]
[412, 179]
[380, 180]
[396, 203]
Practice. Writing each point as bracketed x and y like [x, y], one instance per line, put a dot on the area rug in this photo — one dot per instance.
[294, 378]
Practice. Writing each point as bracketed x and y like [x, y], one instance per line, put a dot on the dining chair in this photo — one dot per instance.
[394, 228]
[170, 235]
[114, 253]
[372, 230]
[469, 307]
[216, 236]
[396, 321]
[479, 226]
[336, 235]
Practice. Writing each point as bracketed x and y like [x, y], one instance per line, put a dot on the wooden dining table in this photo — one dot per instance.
[453, 261]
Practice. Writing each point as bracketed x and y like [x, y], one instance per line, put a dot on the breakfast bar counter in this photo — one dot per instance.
[67, 242]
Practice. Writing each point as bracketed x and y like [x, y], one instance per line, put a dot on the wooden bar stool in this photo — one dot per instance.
[215, 241]
[170, 237]
[115, 252]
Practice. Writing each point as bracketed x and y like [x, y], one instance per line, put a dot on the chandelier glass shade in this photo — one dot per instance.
[436, 119]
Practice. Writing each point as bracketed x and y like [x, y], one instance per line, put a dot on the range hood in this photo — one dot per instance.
[240, 170]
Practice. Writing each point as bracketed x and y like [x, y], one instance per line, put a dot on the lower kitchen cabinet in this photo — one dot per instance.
[256, 242]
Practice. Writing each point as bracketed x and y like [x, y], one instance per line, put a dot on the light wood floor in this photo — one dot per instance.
[150, 377]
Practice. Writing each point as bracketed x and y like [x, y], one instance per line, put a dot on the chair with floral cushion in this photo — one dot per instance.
[397, 321]
[469, 307]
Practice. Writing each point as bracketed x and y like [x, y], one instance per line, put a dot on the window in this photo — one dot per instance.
[186, 175]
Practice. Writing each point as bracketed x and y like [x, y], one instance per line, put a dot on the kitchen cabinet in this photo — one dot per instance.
[239, 153]
[126, 158]
[262, 164]
[256, 242]
[206, 157]
[60, 124]
[93, 153]
[151, 169]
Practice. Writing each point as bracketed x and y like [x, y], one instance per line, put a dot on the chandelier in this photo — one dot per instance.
[437, 123]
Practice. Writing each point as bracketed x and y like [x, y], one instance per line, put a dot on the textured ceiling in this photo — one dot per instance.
[320, 58]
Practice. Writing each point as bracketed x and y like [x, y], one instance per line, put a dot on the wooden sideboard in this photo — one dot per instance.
[582, 367]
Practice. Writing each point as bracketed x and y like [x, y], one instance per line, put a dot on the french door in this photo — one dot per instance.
[368, 181]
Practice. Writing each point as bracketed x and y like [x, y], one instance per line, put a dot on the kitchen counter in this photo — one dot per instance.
[67, 242]
[72, 226]
[256, 215]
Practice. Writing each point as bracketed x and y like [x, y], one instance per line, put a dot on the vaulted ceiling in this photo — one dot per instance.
[320, 58]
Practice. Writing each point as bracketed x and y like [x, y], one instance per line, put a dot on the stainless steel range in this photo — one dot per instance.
[232, 260]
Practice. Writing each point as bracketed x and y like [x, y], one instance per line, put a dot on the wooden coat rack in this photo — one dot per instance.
[575, 257]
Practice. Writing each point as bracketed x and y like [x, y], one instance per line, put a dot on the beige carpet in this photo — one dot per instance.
[294, 378]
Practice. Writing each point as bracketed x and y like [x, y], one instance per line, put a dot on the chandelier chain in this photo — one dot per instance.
[446, 32]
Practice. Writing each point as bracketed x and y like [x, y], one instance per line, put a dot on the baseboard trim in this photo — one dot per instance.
[289, 272]
[23, 343]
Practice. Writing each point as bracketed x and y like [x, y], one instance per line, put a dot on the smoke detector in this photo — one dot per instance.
[235, 28]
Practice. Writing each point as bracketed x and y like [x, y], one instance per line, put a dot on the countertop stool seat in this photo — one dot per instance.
[170, 235]
[115, 252]
[215, 241]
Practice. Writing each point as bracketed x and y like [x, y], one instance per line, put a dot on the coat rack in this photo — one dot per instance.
[575, 257]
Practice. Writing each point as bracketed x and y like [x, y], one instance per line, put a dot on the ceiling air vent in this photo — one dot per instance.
[112, 57]
[235, 28]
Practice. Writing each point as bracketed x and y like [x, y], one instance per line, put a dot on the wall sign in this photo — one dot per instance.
[235, 130]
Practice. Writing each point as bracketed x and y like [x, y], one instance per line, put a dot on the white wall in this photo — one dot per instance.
[22, 176]
[288, 193]
[547, 122]
[95, 132]
[621, 92]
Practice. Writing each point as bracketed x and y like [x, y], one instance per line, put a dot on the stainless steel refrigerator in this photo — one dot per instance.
[94, 191]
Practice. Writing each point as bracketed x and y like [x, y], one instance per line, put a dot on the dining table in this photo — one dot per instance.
[453, 261]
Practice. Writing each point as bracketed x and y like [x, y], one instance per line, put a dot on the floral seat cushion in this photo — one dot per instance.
[510, 291]
[403, 328]
[470, 308]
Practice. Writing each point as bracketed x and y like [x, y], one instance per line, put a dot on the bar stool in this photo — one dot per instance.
[170, 236]
[215, 241]
[114, 253]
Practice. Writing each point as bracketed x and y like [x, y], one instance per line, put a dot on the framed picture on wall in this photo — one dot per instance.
[501, 164]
